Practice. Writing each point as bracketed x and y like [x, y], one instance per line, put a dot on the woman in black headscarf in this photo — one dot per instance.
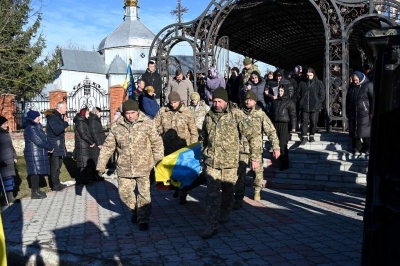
[284, 118]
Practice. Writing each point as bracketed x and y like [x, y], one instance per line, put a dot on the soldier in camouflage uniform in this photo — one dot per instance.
[261, 124]
[249, 67]
[222, 129]
[176, 124]
[140, 147]
[200, 109]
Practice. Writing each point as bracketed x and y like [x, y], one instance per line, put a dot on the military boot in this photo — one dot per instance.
[237, 204]
[209, 232]
[35, 194]
[257, 195]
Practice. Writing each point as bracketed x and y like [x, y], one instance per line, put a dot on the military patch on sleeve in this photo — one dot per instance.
[248, 122]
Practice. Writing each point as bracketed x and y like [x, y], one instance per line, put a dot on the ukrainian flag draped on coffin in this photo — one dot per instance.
[129, 84]
[180, 168]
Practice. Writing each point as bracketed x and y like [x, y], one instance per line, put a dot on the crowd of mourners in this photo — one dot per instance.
[228, 116]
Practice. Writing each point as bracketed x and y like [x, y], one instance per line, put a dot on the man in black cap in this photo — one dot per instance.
[222, 129]
[140, 147]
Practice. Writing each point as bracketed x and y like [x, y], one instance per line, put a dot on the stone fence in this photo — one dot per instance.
[19, 142]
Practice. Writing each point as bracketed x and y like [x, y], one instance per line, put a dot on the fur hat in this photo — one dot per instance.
[149, 89]
[32, 114]
[174, 97]
[130, 105]
[220, 93]
[247, 61]
[251, 95]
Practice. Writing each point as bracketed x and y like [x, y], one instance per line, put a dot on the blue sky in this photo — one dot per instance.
[85, 23]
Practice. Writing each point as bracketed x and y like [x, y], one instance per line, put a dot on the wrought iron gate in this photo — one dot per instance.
[89, 94]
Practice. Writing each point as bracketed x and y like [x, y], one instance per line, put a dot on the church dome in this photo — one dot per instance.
[130, 33]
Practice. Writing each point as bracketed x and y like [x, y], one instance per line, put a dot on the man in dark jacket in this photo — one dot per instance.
[98, 135]
[152, 78]
[311, 94]
[233, 86]
[57, 122]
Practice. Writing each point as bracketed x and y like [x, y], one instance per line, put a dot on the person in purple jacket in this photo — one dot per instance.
[214, 80]
[149, 103]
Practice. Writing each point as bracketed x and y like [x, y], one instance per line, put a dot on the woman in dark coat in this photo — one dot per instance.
[8, 157]
[359, 111]
[284, 118]
[149, 103]
[36, 152]
[98, 135]
[256, 84]
[84, 145]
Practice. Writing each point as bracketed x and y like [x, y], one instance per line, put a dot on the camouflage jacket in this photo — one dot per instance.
[221, 139]
[138, 144]
[246, 73]
[261, 124]
[177, 128]
[200, 112]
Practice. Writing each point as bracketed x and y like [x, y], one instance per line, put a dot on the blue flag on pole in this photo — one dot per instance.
[129, 84]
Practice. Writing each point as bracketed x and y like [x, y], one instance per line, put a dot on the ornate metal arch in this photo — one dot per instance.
[337, 16]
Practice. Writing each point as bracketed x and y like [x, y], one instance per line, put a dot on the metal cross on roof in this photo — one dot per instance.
[179, 11]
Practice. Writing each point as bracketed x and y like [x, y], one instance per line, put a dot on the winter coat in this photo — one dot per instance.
[177, 128]
[258, 89]
[138, 144]
[274, 84]
[7, 154]
[184, 88]
[283, 110]
[359, 106]
[214, 80]
[200, 111]
[84, 154]
[221, 138]
[98, 134]
[311, 94]
[233, 87]
[149, 105]
[153, 79]
[55, 129]
[37, 147]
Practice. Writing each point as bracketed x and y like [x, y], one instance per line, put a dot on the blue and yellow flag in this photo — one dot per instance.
[129, 84]
[180, 168]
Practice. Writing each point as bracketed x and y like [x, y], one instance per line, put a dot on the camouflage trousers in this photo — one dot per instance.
[141, 203]
[219, 204]
[240, 186]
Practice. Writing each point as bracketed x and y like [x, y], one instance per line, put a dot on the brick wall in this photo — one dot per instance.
[7, 109]
[117, 94]
[56, 96]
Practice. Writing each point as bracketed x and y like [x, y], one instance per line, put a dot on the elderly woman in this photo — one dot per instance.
[37, 148]
[256, 84]
[359, 111]
[8, 157]
[149, 103]
[84, 148]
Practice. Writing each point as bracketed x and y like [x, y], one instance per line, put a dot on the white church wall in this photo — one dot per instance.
[68, 79]
[116, 80]
[139, 56]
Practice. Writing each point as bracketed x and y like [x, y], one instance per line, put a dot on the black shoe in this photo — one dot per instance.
[176, 194]
[144, 227]
[36, 195]
[312, 139]
[182, 200]
[134, 217]
[59, 187]
[304, 141]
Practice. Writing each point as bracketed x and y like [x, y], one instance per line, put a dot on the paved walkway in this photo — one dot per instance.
[90, 226]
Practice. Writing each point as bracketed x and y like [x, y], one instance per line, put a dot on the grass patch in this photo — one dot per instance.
[68, 172]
